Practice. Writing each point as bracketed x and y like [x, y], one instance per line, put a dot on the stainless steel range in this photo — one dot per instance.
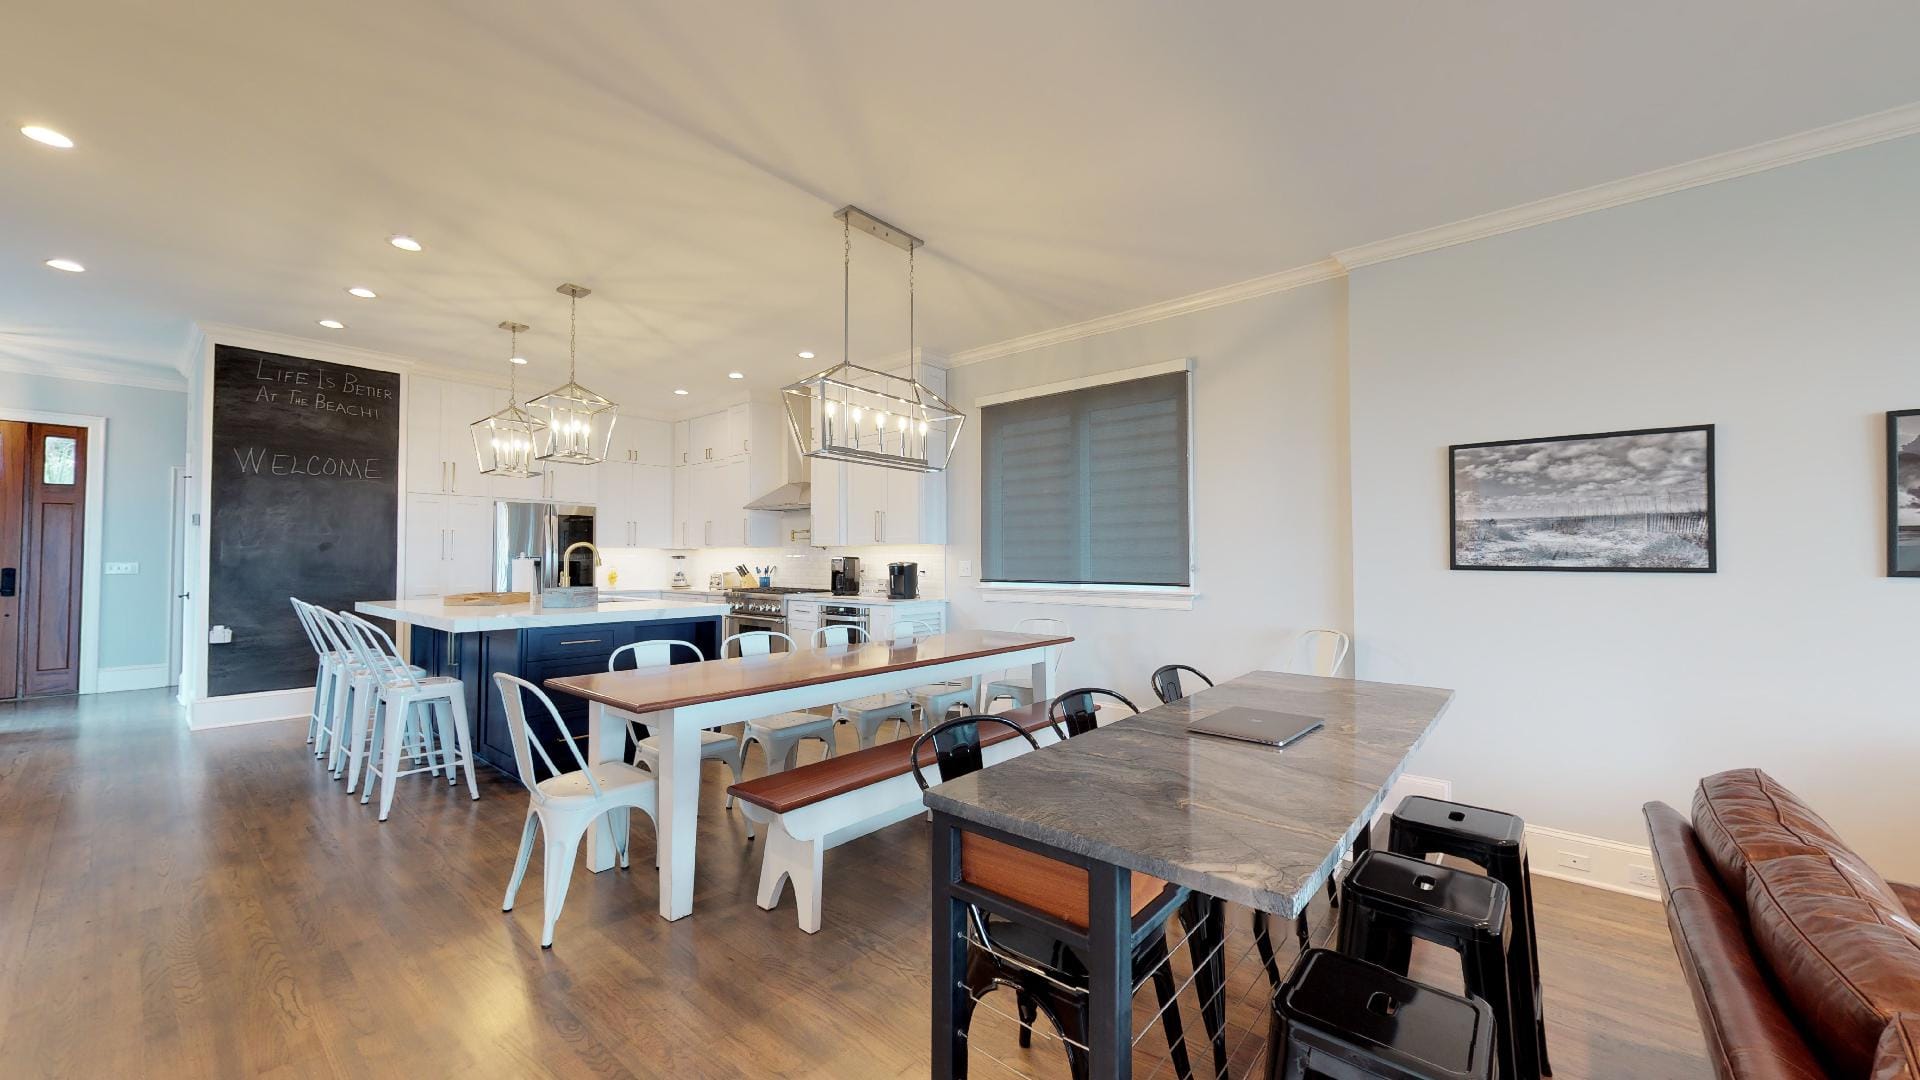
[762, 609]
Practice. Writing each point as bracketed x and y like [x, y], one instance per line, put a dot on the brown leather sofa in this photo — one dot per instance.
[1804, 962]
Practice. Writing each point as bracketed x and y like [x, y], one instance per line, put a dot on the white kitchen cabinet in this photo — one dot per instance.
[683, 509]
[637, 441]
[739, 439]
[633, 506]
[803, 618]
[864, 504]
[448, 546]
[439, 456]
[682, 448]
[708, 436]
[718, 494]
[568, 483]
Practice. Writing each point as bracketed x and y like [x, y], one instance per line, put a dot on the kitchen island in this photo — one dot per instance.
[537, 643]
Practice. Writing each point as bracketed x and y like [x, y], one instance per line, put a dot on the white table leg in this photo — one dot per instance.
[1043, 688]
[679, 804]
[606, 741]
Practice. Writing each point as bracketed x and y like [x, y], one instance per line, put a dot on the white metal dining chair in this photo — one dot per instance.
[935, 700]
[562, 806]
[715, 745]
[1019, 685]
[434, 706]
[866, 713]
[780, 735]
[1317, 652]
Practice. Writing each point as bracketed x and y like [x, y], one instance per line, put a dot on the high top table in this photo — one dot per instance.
[676, 703]
[1256, 825]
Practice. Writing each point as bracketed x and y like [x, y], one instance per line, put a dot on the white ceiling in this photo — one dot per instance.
[243, 162]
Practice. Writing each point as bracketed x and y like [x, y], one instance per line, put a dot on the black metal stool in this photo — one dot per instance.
[1338, 1016]
[1497, 843]
[1392, 899]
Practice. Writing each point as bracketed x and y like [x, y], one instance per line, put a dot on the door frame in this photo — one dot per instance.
[90, 536]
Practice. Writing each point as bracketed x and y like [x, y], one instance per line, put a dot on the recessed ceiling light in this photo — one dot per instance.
[806, 355]
[404, 243]
[333, 324]
[681, 393]
[68, 265]
[362, 292]
[516, 359]
[47, 135]
[735, 375]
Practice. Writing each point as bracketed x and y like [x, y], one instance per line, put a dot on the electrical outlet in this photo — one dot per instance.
[220, 635]
[1641, 876]
[121, 568]
[1575, 861]
[966, 567]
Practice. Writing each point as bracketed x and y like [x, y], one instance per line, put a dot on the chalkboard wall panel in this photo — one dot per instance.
[306, 502]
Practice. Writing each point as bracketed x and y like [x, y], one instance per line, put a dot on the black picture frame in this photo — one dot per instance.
[1712, 542]
[1893, 496]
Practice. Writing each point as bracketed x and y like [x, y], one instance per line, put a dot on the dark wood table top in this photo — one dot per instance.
[837, 775]
[1236, 820]
[656, 689]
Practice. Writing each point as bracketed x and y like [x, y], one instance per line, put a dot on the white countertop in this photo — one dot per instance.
[431, 612]
[863, 601]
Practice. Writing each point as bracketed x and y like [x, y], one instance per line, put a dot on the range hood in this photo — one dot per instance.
[794, 496]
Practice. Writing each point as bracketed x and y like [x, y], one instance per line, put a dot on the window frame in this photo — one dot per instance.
[1177, 597]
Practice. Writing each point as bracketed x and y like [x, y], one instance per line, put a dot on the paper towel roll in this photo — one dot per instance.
[526, 575]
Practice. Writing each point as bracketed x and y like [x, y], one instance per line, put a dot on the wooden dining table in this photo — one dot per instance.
[1146, 795]
[677, 703]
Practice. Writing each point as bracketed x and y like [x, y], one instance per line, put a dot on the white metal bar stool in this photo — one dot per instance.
[867, 713]
[434, 701]
[715, 745]
[565, 803]
[780, 735]
[1019, 686]
[356, 696]
[329, 667]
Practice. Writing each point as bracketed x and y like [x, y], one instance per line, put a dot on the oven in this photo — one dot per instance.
[739, 622]
[847, 615]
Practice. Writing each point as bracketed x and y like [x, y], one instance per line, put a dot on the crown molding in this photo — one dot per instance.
[314, 349]
[1312, 273]
[169, 382]
[1877, 127]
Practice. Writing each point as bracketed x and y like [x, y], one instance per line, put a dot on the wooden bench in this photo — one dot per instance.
[807, 810]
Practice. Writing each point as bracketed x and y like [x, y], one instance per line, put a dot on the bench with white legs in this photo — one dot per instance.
[807, 810]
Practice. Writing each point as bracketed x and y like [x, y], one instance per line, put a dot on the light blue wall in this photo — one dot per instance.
[146, 435]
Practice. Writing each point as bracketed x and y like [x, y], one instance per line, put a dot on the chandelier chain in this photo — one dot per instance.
[913, 375]
[513, 377]
[846, 286]
[573, 317]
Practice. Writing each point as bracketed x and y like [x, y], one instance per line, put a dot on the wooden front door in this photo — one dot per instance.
[43, 483]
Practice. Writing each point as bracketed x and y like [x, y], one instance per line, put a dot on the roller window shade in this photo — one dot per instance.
[1087, 487]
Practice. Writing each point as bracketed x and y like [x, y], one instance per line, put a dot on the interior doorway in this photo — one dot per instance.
[43, 509]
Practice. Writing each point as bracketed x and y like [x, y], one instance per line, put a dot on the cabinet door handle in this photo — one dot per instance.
[584, 641]
[455, 466]
[876, 526]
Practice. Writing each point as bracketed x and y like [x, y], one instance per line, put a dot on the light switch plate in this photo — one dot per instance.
[121, 568]
[966, 567]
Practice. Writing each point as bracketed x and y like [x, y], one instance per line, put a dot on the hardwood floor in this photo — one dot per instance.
[211, 905]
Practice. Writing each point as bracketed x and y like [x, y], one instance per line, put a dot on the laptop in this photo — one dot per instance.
[1256, 726]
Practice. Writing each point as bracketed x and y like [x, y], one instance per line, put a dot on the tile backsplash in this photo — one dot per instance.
[653, 568]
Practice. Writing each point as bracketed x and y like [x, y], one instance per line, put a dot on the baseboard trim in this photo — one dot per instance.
[261, 708]
[1611, 865]
[113, 680]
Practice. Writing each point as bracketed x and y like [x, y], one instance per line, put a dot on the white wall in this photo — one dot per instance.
[1783, 307]
[1270, 443]
[146, 435]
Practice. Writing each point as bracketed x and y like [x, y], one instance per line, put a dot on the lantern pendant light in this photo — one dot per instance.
[579, 421]
[506, 441]
[857, 414]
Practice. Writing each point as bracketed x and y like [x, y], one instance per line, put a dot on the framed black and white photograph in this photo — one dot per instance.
[1637, 501]
[1903, 493]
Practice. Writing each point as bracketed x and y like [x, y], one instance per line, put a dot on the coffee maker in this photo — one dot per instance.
[903, 581]
[846, 576]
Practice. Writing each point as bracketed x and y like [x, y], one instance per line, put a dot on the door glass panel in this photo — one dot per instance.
[57, 467]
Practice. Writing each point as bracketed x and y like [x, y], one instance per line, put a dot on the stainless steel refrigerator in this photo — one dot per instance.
[541, 532]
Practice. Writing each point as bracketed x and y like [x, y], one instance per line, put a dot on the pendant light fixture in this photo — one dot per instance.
[579, 421]
[506, 441]
[853, 413]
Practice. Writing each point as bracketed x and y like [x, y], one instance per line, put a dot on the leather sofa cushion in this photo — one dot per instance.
[1899, 1051]
[1744, 816]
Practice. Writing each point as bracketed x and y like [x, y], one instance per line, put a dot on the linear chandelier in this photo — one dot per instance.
[857, 414]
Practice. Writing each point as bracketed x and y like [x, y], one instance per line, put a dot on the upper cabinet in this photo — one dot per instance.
[723, 461]
[865, 504]
[439, 454]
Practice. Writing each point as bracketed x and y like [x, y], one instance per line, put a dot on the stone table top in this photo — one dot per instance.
[1247, 823]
